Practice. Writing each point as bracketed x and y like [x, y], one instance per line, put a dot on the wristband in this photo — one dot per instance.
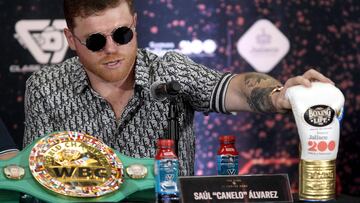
[276, 89]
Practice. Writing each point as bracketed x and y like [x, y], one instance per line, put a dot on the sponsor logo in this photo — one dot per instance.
[263, 46]
[319, 115]
[194, 48]
[231, 171]
[197, 47]
[43, 38]
[160, 48]
[169, 177]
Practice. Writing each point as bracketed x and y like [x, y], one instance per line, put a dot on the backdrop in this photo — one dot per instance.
[281, 38]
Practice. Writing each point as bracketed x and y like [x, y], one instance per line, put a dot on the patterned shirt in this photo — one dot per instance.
[60, 97]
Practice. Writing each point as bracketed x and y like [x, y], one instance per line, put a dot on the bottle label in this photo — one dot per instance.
[166, 174]
[228, 164]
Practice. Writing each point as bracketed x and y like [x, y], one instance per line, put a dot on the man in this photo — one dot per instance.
[8, 149]
[105, 91]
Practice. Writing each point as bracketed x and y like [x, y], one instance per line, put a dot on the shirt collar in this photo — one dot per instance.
[144, 68]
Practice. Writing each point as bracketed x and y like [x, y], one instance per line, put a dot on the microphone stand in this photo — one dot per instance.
[173, 131]
[172, 90]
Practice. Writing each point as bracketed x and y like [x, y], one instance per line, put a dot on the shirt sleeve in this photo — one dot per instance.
[217, 102]
[7, 144]
[37, 110]
[203, 87]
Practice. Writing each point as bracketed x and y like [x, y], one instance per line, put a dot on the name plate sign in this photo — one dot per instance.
[241, 188]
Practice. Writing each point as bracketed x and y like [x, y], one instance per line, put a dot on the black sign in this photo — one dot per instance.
[243, 188]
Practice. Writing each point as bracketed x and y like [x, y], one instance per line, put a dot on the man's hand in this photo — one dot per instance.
[8, 155]
[279, 100]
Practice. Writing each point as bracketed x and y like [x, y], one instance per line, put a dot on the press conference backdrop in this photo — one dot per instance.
[281, 38]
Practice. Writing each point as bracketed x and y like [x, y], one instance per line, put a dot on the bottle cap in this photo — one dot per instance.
[227, 138]
[165, 142]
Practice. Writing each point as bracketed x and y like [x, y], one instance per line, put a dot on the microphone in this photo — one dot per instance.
[161, 90]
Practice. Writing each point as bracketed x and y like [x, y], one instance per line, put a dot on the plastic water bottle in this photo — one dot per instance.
[166, 172]
[227, 156]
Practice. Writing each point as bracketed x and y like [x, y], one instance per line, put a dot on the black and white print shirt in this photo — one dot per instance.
[59, 97]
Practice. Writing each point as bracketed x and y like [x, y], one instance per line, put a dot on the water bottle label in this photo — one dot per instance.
[166, 173]
[228, 164]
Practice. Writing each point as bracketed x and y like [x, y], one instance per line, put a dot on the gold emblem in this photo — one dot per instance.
[136, 171]
[14, 172]
[75, 164]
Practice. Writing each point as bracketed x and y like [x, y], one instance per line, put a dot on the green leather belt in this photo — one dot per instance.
[132, 189]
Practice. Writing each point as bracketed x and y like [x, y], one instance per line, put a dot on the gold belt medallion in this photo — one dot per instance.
[75, 164]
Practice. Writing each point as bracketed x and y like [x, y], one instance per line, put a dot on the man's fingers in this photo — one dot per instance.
[298, 80]
[306, 79]
[314, 75]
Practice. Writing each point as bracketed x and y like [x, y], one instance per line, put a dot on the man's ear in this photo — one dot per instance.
[135, 20]
[70, 38]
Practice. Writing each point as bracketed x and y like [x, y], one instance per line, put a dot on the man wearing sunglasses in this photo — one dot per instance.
[105, 90]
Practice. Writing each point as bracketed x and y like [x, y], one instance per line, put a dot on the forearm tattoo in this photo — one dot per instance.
[258, 88]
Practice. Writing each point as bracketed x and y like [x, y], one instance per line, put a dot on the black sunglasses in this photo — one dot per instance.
[96, 42]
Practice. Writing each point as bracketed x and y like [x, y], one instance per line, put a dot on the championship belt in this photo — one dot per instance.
[75, 167]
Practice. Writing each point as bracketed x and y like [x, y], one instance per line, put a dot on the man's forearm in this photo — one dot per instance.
[257, 89]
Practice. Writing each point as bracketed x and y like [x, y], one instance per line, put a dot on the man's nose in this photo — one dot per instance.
[110, 45]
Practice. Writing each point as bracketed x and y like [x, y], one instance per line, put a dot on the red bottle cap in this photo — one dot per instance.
[165, 142]
[227, 138]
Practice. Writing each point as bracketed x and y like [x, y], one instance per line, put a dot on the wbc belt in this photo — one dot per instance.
[72, 166]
